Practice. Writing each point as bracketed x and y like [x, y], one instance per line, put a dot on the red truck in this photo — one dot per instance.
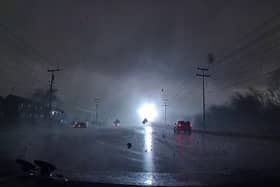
[184, 126]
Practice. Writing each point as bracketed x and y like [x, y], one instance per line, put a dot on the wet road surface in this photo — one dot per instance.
[153, 149]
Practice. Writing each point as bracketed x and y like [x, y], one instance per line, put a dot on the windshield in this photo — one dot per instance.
[121, 88]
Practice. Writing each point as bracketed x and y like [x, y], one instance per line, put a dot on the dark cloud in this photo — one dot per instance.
[124, 51]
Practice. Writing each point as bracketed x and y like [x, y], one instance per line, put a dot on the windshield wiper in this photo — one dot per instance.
[41, 169]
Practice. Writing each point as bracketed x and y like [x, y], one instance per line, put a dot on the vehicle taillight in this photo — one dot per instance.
[179, 125]
[190, 125]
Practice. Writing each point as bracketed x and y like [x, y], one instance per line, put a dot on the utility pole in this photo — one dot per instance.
[97, 100]
[203, 75]
[165, 105]
[52, 71]
[165, 108]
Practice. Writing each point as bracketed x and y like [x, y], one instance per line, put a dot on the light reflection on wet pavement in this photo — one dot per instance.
[154, 149]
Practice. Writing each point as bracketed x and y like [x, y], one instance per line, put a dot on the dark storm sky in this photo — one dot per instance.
[124, 52]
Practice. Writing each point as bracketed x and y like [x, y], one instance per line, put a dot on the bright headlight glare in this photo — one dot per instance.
[148, 111]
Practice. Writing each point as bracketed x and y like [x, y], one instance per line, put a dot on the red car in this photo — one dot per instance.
[80, 125]
[184, 126]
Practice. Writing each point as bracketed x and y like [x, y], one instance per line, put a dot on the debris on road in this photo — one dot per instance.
[129, 145]
[145, 121]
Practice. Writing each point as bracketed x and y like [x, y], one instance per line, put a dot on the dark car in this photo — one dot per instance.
[184, 126]
[117, 123]
[80, 125]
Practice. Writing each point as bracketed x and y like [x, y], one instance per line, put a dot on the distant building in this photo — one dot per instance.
[58, 115]
[16, 107]
[20, 108]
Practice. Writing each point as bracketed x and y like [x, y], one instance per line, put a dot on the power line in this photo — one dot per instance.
[233, 53]
[261, 26]
[260, 51]
[258, 28]
[264, 53]
[240, 49]
[257, 61]
[264, 35]
[241, 81]
[258, 56]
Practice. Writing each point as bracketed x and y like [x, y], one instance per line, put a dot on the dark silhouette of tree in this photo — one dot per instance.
[253, 109]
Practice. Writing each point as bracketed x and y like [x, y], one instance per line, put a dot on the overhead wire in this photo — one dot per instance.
[265, 34]
[251, 43]
[258, 59]
[262, 26]
[241, 49]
